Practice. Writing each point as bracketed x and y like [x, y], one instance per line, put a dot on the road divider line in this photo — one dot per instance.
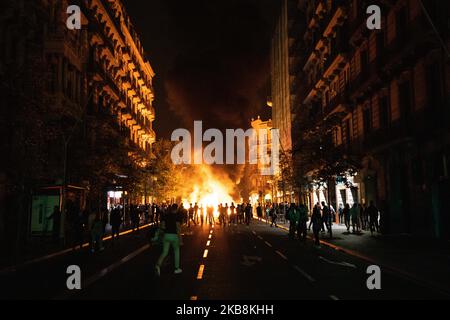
[303, 273]
[12, 269]
[105, 272]
[210, 236]
[281, 255]
[268, 244]
[200, 272]
[194, 298]
[208, 243]
[260, 238]
[205, 254]
[334, 298]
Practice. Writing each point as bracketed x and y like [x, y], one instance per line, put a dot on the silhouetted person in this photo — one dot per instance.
[259, 212]
[373, 214]
[347, 216]
[302, 230]
[116, 221]
[317, 224]
[327, 218]
[171, 226]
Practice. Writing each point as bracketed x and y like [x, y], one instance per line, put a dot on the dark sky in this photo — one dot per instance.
[211, 58]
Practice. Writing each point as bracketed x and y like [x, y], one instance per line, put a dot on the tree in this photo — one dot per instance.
[168, 176]
[317, 160]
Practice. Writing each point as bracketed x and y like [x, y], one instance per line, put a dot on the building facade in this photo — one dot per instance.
[262, 186]
[391, 87]
[77, 105]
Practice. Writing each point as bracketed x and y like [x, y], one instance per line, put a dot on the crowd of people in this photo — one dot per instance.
[168, 220]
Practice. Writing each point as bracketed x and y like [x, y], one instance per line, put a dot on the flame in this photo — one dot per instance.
[209, 191]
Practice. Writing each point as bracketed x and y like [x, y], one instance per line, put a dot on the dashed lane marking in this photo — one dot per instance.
[334, 298]
[200, 272]
[268, 244]
[281, 255]
[303, 273]
[205, 254]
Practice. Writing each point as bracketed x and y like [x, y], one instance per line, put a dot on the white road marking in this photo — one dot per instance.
[303, 273]
[281, 255]
[105, 271]
[334, 298]
[205, 254]
[343, 264]
[268, 244]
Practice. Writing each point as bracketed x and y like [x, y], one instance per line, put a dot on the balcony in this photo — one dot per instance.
[341, 100]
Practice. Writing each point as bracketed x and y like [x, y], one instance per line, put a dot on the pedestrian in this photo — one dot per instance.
[302, 222]
[354, 213]
[171, 227]
[116, 221]
[202, 215]
[317, 224]
[259, 212]
[135, 217]
[183, 213]
[341, 213]
[273, 216]
[196, 213]
[363, 217]
[191, 215]
[327, 218]
[347, 216]
[267, 213]
[210, 213]
[233, 214]
[97, 234]
[248, 214]
[373, 214]
[316, 210]
[293, 218]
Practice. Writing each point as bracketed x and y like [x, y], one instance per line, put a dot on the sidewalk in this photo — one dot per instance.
[425, 261]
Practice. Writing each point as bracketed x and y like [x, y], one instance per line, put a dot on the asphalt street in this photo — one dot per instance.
[219, 263]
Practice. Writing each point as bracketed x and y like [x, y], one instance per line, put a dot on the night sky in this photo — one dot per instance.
[211, 57]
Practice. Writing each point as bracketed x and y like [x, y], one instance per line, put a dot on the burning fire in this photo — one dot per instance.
[208, 191]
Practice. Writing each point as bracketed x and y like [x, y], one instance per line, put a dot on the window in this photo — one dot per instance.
[367, 115]
[401, 22]
[434, 85]
[405, 98]
[380, 47]
[364, 58]
[384, 112]
[346, 132]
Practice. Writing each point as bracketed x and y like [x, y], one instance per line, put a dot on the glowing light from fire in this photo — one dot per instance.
[209, 191]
